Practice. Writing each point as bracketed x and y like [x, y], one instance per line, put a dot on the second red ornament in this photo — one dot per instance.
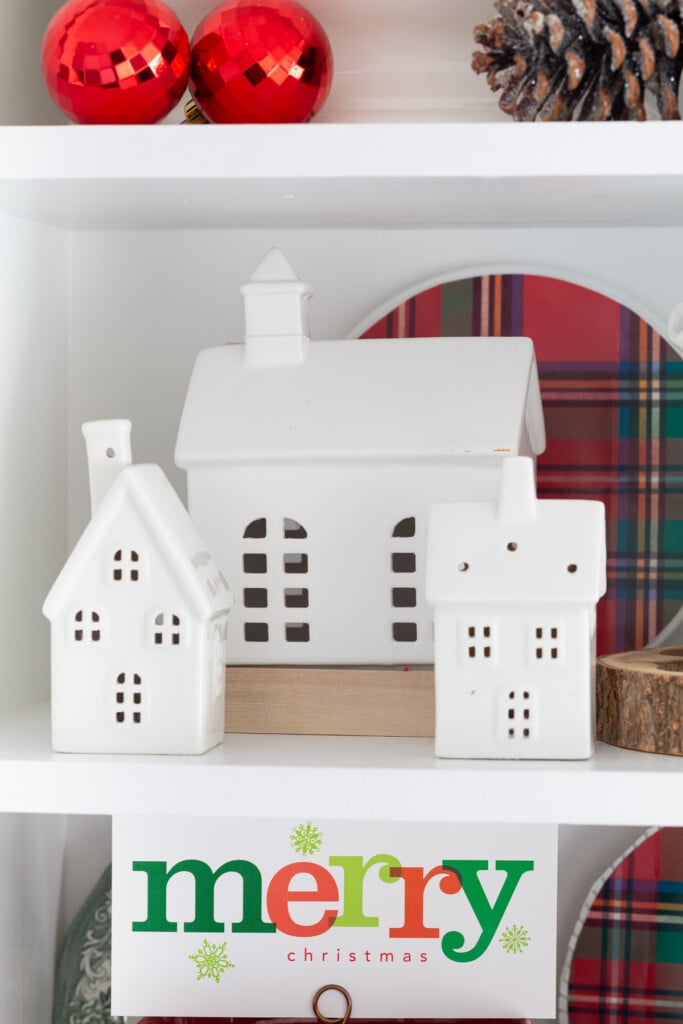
[267, 62]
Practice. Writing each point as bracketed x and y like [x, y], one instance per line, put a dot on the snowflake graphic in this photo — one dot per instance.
[211, 960]
[306, 839]
[515, 939]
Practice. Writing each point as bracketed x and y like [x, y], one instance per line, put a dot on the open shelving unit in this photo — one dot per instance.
[122, 250]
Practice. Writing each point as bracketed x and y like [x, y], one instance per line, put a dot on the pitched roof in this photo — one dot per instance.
[171, 531]
[407, 398]
[517, 549]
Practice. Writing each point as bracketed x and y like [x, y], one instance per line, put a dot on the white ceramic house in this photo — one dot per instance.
[138, 617]
[312, 466]
[514, 584]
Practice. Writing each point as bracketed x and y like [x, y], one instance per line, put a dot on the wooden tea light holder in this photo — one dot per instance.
[640, 700]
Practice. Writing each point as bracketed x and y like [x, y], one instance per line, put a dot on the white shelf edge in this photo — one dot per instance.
[341, 777]
[365, 175]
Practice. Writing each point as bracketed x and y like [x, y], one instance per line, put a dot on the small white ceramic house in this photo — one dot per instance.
[514, 584]
[138, 617]
[312, 466]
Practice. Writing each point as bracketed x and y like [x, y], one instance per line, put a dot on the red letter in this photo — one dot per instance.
[415, 883]
[279, 897]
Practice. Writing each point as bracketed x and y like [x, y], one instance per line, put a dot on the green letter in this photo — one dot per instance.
[158, 877]
[489, 917]
[354, 874]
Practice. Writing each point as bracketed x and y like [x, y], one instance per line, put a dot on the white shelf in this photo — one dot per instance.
[340, 777]
[365, 175]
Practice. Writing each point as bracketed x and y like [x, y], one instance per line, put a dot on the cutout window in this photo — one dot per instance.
[252, 563]
[256, 529]
[167, 629]
[128, 698]
[256, 632]
[126, 566]
[403, 561]
[296, 597]
[255, 597]
[547, 644]
[479, 643]
[297, 632]
[404, 632]
[405, 528]
[517, 718]
[296, 562]
[86, 627]
[404, 597]
[291, 530]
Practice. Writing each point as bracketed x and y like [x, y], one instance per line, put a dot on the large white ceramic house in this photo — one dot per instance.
[138, 616]
[312, 466]
[514, 584]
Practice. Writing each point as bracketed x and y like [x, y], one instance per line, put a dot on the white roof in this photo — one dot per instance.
[517, 549]
[170, 530]
[408, 398]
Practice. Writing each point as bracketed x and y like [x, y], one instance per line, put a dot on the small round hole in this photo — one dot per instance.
[512, 546]
[572, 567]
[463, 566]
[110, 453]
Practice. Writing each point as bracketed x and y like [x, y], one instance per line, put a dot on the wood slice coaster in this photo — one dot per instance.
[640, 700]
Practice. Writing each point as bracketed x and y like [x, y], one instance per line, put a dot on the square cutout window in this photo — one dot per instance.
[404, 597]
[403, 561]
[255, 597]
[296, 562]
[296, 597]
[297, 632]
[254, 563]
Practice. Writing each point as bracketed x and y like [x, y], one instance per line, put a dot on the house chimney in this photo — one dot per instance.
[517, 501]
[276, 325]
[108, 446]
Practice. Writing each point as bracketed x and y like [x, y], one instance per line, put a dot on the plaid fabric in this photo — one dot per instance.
[613, 399]
[627, 962]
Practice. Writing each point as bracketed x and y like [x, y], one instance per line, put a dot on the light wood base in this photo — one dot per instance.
[640, 700]
[330, 701]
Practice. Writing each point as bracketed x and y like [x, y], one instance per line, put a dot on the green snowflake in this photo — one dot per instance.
[306, 839]
[515, 939]
[211, 960]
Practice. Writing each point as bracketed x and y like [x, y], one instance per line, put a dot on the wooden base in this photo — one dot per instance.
[330, 701]
[640, 700]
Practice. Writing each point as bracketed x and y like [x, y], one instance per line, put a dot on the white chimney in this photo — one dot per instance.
[517, 502]
[108, 446]
[276, 323]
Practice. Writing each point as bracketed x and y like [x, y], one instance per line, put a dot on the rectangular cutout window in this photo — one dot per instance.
[295, 562]
[296, 597]
[254, 563]
[256, 632]
[297, 632]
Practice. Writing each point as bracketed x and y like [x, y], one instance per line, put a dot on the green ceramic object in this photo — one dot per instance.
[83, 982]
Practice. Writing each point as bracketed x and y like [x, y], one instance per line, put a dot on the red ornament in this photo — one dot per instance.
[115, 61]
[260, 62]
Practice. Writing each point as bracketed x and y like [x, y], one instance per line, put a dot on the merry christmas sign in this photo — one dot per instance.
[226, 917]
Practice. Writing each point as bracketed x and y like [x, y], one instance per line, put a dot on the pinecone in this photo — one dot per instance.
[589, 60]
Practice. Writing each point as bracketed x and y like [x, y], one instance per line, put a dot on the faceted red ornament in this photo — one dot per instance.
[116, 61]
[262, 62]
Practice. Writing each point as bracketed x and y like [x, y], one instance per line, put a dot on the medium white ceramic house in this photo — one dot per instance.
[138, 617]
[514, 584]
[312, 467]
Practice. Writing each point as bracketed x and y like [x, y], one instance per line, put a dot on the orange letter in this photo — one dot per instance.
[415, 883]
[279, 896]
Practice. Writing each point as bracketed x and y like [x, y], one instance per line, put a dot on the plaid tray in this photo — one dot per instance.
[613, 398]
[625, 958]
